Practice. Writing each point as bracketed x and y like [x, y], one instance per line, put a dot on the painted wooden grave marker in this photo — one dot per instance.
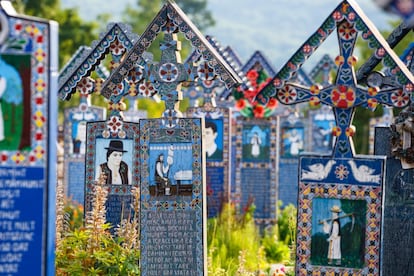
[342, 187]
[255, 145]
[107, 139]
[74, 133]
[398, 226]
[172, 162]
[28, 78]
[217, 133]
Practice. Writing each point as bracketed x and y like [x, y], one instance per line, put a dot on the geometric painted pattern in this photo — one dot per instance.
[344, 95]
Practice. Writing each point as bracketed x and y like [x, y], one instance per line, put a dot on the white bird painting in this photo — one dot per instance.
[318, 171]
[364, 173]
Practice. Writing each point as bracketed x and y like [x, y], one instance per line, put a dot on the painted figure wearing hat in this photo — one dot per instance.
[334, 230]
[115, 170]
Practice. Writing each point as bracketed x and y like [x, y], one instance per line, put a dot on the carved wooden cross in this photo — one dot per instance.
[345, 94]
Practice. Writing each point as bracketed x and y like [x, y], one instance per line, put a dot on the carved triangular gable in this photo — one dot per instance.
[369, 33]
[170, 13]
[258, 57]
[76, 58]
[324, 66]
[87, 59]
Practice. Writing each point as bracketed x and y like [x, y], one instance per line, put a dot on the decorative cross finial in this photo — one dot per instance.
[345, 94]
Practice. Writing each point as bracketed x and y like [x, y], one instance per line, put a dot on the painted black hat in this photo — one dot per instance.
[116, 145]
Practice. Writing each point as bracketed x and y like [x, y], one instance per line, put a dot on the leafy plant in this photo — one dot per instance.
[91, 249]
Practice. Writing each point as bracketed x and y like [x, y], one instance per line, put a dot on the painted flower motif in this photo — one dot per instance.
[117, 48]
[259, 111]
[40, 85]
[252, 75]
[307, 49]
[343, 96]
[372, 104]
[39, 152]
[146, 89]
[351, 16]
[336, 131]
[98, 85]
[409, 87]
[350, 132]
[277, 82]
[339, 60]
[315, 89]
[347, 31]
[3, 157]
[114, 124]
[287, 94]
[272, 103]
[337, 16]
[85, 86]
[40, 55]
[18, 158]
[373, 91]
[291, 65]
[400, 98]
[352, 60]
[314, 101]
[18, 27]
[38, 136]
[246, 103]
[39, 119]
[168, 72]
[205, 71]
[32, 30]
[341, 172]
[240, 104]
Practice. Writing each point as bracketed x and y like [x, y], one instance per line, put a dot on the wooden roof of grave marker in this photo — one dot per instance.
[260, 59]
[167, 76]
[88, 59]
[349, 20]
[323, 68]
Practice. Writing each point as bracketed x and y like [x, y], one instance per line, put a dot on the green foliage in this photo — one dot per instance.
[229, 235]
[76, 257]
[276, 250]
[92, 249]
[73, 31]
[286, 222]
[235, 243]
[73, 215]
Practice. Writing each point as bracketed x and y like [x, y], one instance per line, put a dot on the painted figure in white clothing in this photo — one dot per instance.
[255, 141]
[334, 230]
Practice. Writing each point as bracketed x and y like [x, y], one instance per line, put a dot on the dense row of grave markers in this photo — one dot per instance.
[164, 156]
[28, 79]
[369, 202]
[341, 192]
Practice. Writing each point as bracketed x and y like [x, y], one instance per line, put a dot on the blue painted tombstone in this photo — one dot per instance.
[28, 79]
[342, 191]
[217, 117]
[254, 144]
[398, 226]
[74, 132]
[292, 142]
[319, 131]
[172, 161]
[111, 45]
